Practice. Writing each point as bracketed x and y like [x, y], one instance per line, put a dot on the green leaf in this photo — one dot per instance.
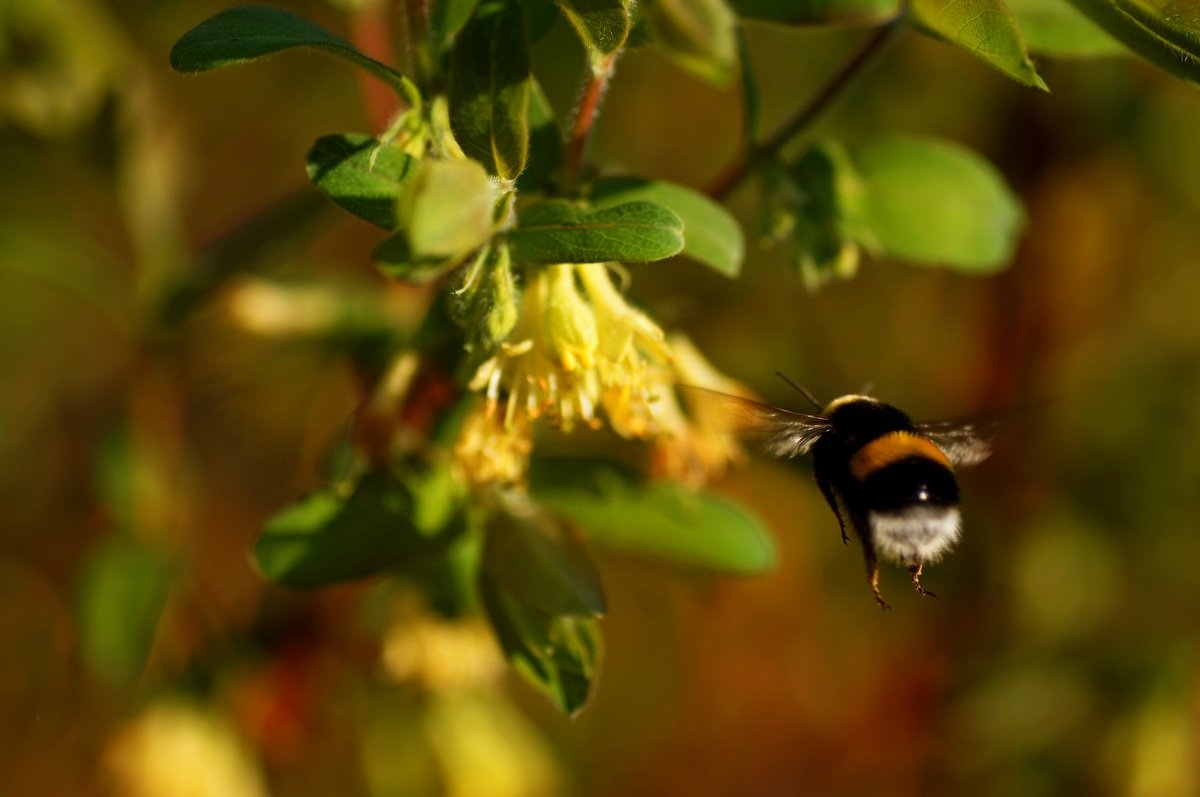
[328, 538]
[394, 257]
[559, 655]
[360, 174]
[446, 209]
[538, 559]
[812, 191]
[489, 88]
[122, 593]
[662, 521]
[244, 34]
[920, 200]
[933, 201]
[984, 28]
[699, 35]
[823, 12]
[1175, 21]
[449, 582]
[1056, 29]
[710, 235]
[557, 231]
[1164, 32]
[437, 494]
[602, 25]
[545, 144]
[447, 17]
[541, 16]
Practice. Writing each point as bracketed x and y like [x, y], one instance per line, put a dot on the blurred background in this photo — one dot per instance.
[147, 429]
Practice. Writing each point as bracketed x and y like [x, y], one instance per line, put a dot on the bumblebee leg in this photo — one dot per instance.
[915, 572]
[873, 580]
[831, 499]
[842, 529]
[862, 528]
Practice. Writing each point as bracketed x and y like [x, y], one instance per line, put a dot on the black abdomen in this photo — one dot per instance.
[912, 481]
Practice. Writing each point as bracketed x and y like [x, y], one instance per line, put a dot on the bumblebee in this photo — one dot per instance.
[887, 478]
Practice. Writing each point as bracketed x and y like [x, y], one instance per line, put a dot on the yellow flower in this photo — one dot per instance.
[698, 446]
[548, 366]
[492, 451]
[580, 353]
[631, 357]
[569, 324]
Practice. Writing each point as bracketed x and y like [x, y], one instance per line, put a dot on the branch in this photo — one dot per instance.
[737, 171]
[585, 118]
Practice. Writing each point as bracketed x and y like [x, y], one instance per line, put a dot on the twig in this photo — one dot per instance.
[585, 117]
[737, 171]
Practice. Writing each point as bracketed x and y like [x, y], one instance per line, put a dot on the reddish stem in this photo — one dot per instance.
[737, 171]
[585, 118]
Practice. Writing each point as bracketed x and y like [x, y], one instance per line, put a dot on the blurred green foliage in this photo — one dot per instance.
[187, 334]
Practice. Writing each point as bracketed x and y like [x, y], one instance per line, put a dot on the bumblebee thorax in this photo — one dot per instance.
[860, 419]
[842, 401]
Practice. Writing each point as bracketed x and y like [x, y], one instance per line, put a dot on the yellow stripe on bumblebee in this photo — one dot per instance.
[893, 447]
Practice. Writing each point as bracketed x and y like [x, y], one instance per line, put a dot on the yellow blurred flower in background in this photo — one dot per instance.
[456, 735]
[177, 749]
[440, 654]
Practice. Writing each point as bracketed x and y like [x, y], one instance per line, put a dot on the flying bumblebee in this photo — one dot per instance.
[889, 479]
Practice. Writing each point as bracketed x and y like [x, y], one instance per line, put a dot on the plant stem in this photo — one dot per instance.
[585, 117]
[283, 226]
[737, 171]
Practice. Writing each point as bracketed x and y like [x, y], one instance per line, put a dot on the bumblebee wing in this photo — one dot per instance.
[964, 443]
[784, 433]
[780, 432]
